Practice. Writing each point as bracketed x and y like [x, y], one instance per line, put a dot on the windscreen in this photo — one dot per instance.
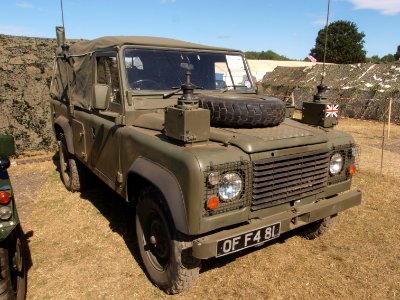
[165, 70]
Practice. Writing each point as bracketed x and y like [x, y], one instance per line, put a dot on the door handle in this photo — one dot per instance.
[93, 132]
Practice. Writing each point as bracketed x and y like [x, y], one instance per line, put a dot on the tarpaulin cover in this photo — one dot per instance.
[81, 63]
[80, 76]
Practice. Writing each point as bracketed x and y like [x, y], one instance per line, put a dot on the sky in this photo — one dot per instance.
[288, 27]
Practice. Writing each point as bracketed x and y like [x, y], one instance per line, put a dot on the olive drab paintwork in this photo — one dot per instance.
[129, 134]
[6, 145]
[7, 148]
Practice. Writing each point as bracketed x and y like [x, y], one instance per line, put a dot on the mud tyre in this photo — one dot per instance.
[236, 112]
[73, 173]
[319, 228]
[13, 267]
[166, 254]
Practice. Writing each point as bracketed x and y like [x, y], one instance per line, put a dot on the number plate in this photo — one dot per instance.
[248, 239]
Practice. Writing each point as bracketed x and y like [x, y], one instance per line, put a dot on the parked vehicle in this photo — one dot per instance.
[212, 168]
[12, 259]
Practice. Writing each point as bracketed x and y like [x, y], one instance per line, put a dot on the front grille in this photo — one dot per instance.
[283, 179]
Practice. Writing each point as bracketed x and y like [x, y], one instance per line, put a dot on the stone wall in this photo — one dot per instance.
[362, 90]
[25, 75]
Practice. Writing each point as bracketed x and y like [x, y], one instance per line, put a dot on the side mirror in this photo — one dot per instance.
[7, 147]
[101, 96]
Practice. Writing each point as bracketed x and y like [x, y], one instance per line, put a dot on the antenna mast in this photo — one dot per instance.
[62, 13]
[321, 112]
[326, 42]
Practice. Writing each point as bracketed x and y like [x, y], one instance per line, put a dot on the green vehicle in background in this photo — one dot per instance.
[12, 260]
[210, 163]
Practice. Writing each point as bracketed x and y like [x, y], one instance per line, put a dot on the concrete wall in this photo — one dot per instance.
[260, 67]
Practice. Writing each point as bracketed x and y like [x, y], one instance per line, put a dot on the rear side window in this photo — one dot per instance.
[107, 73]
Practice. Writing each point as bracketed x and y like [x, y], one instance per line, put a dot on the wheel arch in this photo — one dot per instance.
[62, 126]
[144, 172]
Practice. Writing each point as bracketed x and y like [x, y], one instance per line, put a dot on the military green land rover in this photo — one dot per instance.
[211, 164]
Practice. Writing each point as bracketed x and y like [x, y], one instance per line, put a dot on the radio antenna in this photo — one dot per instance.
[62, 13]
[326, 42]
[60, 30]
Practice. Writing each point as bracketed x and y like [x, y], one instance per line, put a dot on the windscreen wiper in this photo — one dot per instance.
[174, 92]
[234, 87]
[177, 90]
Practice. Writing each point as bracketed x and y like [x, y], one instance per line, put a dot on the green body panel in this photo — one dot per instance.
[6, 145]
[314, 113]
[7, 149]
[206, 247]
[6, 227]
[132, 142]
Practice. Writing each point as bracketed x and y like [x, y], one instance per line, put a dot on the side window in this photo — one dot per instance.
[107, 73]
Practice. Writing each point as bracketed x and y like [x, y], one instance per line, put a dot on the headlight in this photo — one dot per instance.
[230, 186]
[336, 164]
[4, 163]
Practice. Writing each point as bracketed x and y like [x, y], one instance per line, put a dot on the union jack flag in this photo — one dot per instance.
[332, 110]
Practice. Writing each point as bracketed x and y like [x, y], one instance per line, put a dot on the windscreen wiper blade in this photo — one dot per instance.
[174, 92]
[234, 87]
[168, 95]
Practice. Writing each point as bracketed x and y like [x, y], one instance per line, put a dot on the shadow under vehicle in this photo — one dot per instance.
[210, 164]
[12, 248]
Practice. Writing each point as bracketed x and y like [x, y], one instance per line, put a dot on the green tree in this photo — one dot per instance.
[373, 59]
[388, 58]
[345, 44]
[397, 54]
[269, 54]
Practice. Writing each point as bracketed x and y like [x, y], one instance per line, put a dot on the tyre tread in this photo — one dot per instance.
[78, 173]
[244, 113]
[186, 269]
[319, 228]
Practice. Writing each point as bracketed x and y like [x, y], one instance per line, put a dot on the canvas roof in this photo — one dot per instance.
[84, 47]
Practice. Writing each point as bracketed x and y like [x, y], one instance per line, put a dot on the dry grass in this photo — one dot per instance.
[83, 245]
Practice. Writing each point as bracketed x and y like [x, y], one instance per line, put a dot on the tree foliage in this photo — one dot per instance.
[269, 54]
[397, 54]
[345, 44]
[373, 59]
[388, 58]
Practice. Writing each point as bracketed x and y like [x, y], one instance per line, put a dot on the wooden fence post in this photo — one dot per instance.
[390, 113]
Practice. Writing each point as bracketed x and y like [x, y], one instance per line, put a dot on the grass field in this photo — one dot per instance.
[82, 246]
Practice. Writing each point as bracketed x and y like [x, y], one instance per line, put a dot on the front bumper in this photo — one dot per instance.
[206, 247]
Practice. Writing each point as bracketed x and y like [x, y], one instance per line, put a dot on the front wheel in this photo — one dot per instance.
[318, 228]
[166, 254]
[13, 267]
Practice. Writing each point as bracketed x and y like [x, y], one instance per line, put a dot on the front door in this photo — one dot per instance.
[105, 137]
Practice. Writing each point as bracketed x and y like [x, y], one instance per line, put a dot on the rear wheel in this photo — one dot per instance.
[72, 171]
[319, 228]
[166, 254]
[13, 268]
